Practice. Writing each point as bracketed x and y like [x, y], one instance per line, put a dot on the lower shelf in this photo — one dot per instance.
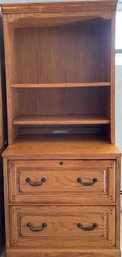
[60, 120]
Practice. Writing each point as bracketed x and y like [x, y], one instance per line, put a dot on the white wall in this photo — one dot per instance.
[118, 111]
[118, 106]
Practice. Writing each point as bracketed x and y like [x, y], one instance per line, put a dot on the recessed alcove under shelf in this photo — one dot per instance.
[62, 109]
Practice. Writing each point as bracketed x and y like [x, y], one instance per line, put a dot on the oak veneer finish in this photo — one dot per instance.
[58, 202]
[61, 180]
[65, 146]
[61, 191]
[68, 253]
[62, 229]
[61, 85]
[50, 65]
[59, 120]
[99, 5]
[61, 107]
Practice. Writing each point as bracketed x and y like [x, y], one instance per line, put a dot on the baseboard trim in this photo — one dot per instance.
[63, 253]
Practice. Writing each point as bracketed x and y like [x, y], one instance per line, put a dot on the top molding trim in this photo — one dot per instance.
[58, 7]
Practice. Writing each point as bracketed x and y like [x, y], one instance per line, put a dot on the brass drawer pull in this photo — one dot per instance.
[80, 181]
[37, 229]
[91, 228]
[28, 180]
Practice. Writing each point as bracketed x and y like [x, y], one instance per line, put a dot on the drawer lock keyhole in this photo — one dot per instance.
[61, 163]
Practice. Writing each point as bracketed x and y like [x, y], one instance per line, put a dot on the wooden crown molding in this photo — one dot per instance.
[81, 6]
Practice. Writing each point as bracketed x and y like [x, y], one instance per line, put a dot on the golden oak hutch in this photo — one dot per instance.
[61, 168]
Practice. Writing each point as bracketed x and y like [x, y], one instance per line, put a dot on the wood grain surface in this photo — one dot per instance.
[61, 185]
[66, 146]
[62, 230]
[99, 5]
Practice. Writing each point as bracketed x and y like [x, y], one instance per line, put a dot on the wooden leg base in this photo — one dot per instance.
[62, 253]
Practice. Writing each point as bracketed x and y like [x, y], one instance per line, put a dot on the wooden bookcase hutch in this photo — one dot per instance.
[61, 168]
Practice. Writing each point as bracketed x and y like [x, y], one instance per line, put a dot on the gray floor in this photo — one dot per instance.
[3, 255]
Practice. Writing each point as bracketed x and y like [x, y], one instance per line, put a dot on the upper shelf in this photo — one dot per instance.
[61, 85]
[31, 120]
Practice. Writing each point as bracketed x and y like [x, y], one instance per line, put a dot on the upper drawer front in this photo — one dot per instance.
[62, 226]
[70, 181]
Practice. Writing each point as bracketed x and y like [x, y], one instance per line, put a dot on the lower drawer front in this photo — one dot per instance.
[61, 226]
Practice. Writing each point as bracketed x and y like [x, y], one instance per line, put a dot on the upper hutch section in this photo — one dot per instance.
[60, 67]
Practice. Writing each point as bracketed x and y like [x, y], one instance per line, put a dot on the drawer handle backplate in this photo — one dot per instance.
[37, 229]
[91, 228]
[80, 181]
[28, 180]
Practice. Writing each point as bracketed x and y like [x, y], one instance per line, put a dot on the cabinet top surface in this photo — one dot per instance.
[57, 7]
[68, 147]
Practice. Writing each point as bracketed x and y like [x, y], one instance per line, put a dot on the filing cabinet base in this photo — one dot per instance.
[62, 253]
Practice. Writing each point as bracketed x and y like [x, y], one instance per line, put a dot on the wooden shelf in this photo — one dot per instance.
[61, 85]
[29, 120]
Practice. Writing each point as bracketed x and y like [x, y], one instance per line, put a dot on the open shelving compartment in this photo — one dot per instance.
[59, 75]
[85, 109]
